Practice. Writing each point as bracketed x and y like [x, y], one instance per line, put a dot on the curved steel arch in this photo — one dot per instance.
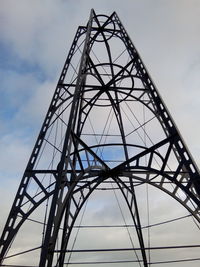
[68, 150]
[131, 172]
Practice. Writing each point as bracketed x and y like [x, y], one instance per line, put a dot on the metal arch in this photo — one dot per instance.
[163, 115]
[185, 174]
[67, 175]
[91, 186]
[11, 228]
[159, 185]
[117, 110]
[90, 171]
[12, 225]
[65, 157]
[132, 170]
[162, 112]
[95, 183]
[73, 189]
[115, 175]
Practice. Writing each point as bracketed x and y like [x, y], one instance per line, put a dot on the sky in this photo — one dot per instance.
[35, 39]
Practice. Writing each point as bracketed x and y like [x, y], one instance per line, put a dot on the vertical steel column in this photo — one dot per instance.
[46, 252]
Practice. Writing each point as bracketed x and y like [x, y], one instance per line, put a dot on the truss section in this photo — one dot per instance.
[106, 120]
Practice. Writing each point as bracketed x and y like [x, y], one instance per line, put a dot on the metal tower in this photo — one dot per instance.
[106, 124]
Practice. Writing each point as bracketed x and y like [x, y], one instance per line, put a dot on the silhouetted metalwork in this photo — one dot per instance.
[87, 139]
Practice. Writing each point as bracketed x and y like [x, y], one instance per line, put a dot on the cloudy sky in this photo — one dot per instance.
[35, 38]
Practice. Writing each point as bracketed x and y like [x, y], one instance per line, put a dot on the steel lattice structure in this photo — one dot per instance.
[87, 138]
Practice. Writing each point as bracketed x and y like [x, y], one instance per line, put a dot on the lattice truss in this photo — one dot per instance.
[106, 122]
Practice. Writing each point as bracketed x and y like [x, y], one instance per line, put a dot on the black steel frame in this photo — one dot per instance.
[75, 179]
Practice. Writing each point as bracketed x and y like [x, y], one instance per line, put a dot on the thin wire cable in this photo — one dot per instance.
[136, 129]
[78, 230]
[132, 261]
[129, 234]
[37, 162]
[22, 252]
[143, 127]
[91, 125]
[106, 136]
[119, 55]
[120, 226]
[147, 190]
[114, 262]
[50, 181]
[145, 133]
[139, 127]
[129, 249]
